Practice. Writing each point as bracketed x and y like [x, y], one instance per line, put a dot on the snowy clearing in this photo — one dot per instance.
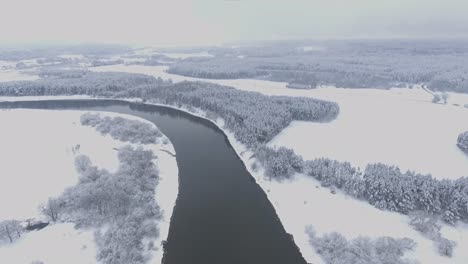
[29, 134]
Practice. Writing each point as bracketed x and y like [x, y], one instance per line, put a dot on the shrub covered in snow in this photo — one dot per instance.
[428, 226]
[387, 188]
[336, 249]
[462, 141]
[445, 246]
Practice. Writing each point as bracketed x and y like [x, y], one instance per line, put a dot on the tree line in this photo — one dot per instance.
[383, 186]
[334, 248]
[122, 129]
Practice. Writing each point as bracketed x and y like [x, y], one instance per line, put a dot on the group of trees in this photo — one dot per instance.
[462, 141]
[279, 163]
[123, 129]
[63, 82]
[383, 186]
[121, 206]
[336, 249]
[438, 97]
[10, 231]
[123, 202]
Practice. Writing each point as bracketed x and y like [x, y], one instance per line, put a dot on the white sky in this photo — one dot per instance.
[197, 22]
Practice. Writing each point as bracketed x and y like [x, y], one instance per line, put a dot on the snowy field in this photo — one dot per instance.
[8, 71]
[15, 75]
[38, 150]
[398, 126]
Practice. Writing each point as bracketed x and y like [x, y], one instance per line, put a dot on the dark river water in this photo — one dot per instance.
[221, 215]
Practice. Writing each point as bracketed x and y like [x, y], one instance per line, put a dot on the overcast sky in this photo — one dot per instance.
[198, 22]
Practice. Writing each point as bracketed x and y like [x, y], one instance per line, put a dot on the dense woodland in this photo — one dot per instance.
[254, 118]
[351, 64]
[122, 129]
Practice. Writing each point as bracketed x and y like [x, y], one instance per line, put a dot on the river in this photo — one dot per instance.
[221, 215]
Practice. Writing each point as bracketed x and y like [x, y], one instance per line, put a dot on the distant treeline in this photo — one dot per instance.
[76, 82]
[350, 64]
[26, 53]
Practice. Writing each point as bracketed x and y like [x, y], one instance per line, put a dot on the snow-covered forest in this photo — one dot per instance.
[349, 64]
[254, 118]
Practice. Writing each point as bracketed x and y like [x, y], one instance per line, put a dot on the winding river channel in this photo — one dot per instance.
[221, 215]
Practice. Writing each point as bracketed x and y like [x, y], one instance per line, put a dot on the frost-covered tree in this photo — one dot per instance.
[10, 230]
[52, 209]
[336, 249]
[462, 141]
[445, 246]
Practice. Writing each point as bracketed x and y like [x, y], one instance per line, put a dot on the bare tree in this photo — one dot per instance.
[52, 209]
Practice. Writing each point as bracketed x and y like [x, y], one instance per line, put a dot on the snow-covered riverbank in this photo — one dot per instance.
[38, 150]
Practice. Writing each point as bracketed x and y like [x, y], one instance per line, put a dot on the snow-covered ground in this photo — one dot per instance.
[398, 126]
[38, 151]
[8, 71]
[312, 48]
[7, 75]
[59, 243]
[174, 55]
